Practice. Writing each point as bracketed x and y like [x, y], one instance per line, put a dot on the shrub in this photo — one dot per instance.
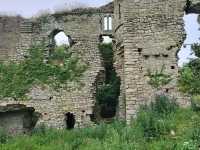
[195, 103]
[153, 119]
[189, 81]
[107, 94]
[159, 78]
[60, 53]
[163, 105]
[196, 49]
[151, 125]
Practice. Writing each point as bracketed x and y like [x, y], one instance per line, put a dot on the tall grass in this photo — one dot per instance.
[160, 126]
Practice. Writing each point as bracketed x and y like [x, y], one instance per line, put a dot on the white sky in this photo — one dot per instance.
[61, 39]
[193, 35]
[28, 8]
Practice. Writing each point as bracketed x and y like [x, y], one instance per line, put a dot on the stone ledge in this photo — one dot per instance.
[16, 107]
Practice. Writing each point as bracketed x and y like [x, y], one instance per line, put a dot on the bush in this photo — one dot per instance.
[151, 125]
[195, 103]
[107, 94]
[163, 105]
[153, 119]
[159, 78]
[60, 53]
[189, 81]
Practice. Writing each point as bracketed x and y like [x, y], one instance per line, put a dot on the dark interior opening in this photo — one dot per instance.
[165, 55]
[140, 50]
[172, 67]
[70, 120]
[119, 11]
[146, 56]
[157, 55]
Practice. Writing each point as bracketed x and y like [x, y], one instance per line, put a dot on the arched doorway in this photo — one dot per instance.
[59, 38]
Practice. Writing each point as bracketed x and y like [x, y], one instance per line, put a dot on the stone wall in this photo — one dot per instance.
[153, 34]
[85, 26]
[147, 36]
[119, 52]
[9, 36]
[17, 119]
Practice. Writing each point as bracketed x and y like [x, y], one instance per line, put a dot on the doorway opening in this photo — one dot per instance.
[70, 120]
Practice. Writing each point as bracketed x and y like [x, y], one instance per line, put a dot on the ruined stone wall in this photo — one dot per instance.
[85, 29]
[147, 36]
[16, 119]
[118, 47]
[152, 35]
[9, 36]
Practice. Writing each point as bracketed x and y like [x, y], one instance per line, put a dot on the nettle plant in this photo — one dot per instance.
[158, 79]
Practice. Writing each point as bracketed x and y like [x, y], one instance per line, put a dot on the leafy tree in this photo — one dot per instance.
[189, 81]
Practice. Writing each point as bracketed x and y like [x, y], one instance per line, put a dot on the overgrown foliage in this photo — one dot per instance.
[189, 81]
[17, 78]
[153, 119]
[107, 94]
[160, 126]
[159, 78]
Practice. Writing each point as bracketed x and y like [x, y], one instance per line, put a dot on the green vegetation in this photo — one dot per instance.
[159, 78]
[17, 79]
[189, 81]
[160, 126]
[107, 94]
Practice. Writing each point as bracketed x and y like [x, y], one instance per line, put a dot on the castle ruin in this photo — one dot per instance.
[147, 35]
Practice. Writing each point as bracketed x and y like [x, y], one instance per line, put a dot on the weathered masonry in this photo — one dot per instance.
[147, 35]
[85, 27]
[17, 118]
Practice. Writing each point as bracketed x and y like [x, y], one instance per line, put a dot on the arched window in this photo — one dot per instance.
[62, 39]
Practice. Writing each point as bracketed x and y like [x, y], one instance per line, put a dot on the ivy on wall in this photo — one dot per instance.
[17, 78]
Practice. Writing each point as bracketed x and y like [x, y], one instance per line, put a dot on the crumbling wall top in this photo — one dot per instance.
[109, 8]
